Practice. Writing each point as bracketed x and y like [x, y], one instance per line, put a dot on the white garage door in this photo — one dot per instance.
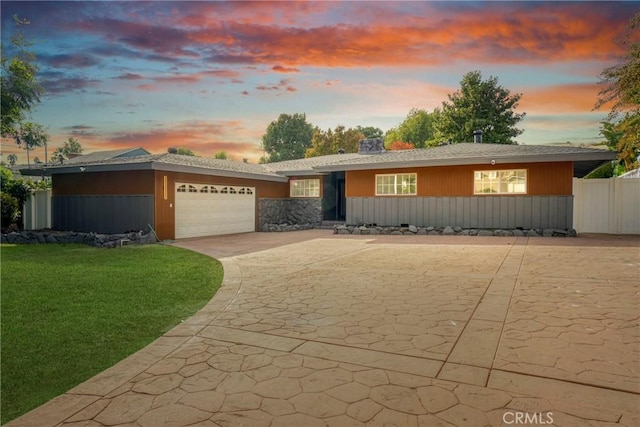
[209, 210]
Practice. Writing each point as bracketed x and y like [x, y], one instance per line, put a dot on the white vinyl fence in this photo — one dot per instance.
[37, 210]
[610, 206]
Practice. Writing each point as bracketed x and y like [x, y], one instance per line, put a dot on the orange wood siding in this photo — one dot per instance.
[552, 178]
[165, 209]
[108, 183]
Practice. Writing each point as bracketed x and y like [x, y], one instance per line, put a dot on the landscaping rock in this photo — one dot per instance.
[448, 231]
[91, 239]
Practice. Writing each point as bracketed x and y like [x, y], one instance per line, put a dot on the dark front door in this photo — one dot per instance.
[341, 201]
[334, 203]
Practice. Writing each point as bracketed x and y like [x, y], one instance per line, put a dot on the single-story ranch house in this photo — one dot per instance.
[468, 185]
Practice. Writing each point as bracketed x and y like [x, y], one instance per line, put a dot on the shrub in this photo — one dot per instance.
[10, 210]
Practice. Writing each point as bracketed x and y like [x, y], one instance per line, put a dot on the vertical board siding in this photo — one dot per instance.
[466, 212]
[102, 214]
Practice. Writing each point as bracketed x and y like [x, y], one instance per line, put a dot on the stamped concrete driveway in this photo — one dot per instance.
[313, 329]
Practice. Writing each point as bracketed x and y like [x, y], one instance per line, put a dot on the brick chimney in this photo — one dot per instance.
[371, 146]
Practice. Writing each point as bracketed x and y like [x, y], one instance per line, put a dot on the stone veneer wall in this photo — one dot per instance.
[289, 214]
[452, 231]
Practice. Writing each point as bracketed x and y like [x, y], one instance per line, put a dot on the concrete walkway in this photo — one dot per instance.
[314, 329]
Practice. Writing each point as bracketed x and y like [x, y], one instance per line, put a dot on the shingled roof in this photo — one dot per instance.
[584, 160]
[308, 166]
[166, 162]
[107, 155]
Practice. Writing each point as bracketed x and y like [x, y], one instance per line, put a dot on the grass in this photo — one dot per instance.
[71, 311]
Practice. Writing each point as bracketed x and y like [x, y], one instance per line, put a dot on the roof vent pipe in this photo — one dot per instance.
[477, 136]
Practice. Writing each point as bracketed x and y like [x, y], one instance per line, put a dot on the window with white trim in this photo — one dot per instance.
[500, 182]
[400, 184]
[304, 188]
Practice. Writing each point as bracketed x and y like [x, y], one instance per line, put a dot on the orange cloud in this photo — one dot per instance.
[204, 138]
[519, 34]
[569, 98]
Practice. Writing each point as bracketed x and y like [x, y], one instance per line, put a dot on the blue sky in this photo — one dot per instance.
[211, 76]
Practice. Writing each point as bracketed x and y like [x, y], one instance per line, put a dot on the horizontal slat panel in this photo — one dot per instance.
[102, 214]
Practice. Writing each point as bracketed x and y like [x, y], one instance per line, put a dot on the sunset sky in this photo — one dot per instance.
[211, 76]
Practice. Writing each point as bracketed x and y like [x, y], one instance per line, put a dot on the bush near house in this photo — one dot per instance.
[10, 211]
[19, 189]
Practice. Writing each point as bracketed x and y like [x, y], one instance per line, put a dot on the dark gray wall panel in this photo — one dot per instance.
[467, 212]
[102, 214]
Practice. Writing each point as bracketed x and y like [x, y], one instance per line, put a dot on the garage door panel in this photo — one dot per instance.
[208, 210]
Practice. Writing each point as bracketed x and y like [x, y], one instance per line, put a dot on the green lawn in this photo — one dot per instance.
[71, 311]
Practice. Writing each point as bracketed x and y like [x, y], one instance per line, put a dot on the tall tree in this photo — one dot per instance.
[331, 141]
[287, 138]
[20, 89]
[221, 155]
[622, 90]
[479, 105]
[624, 137]
[71, 146]
[370, 132]
[416, 129]
[29, 136]
[622, 81]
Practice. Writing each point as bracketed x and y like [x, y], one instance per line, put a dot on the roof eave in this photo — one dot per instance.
[309, 172]
[82, 168]
[149, 165]
[540, 158]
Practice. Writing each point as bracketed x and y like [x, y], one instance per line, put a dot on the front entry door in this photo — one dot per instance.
[341, 201]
